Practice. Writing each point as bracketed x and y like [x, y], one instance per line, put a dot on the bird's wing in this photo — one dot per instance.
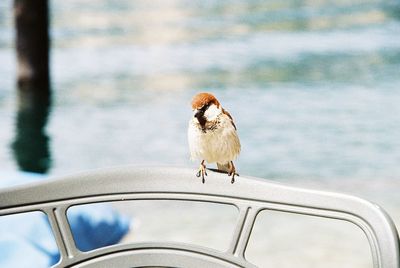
[230, 117]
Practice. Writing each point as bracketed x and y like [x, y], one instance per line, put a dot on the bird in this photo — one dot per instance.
[212, 135]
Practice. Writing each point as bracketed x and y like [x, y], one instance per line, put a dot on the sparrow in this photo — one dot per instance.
[212, 136]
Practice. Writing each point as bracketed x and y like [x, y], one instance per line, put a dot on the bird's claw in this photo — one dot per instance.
[202, 172]
[233, 174]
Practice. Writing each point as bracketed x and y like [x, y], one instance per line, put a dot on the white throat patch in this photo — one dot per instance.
[212, 112]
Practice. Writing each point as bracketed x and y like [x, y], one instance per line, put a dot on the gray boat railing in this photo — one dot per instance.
[249, 195]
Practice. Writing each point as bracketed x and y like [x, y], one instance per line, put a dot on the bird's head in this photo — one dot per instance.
[205, 107]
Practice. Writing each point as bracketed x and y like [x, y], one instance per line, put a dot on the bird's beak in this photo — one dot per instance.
[198, 113]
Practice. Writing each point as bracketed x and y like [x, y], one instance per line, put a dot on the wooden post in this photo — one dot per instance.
[32, 42]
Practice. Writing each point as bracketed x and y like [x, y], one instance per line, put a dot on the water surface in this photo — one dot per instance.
[313, 87]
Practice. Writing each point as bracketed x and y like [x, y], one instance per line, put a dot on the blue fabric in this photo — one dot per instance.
[26, 239]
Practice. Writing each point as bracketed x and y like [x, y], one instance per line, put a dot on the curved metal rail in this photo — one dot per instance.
[249, 195]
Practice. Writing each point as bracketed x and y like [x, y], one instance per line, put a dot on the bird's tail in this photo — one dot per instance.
[224, 167]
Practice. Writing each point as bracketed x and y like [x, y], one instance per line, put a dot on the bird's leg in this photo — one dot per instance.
[232, 172]
[202, 171]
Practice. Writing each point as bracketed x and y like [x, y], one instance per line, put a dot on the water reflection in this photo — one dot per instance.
[31, 147]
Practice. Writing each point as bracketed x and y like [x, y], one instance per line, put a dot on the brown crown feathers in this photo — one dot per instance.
[202, 99]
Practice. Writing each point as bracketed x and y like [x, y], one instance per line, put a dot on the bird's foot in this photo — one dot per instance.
[233, 173]
[202, 172]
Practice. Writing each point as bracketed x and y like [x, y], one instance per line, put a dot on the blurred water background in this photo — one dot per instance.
[314, 87]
